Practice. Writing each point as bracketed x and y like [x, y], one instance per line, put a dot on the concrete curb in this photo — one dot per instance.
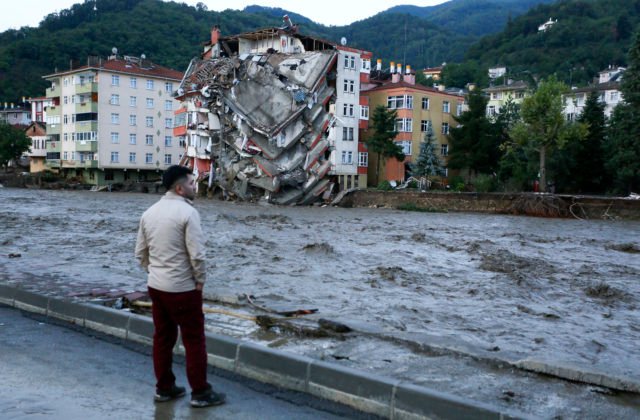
[363, 391]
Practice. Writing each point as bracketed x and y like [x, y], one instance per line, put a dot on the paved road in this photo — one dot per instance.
[55, 372]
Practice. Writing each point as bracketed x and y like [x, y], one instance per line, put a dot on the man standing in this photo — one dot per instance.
[170, 247]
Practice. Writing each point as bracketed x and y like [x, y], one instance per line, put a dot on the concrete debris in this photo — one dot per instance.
[257, 124]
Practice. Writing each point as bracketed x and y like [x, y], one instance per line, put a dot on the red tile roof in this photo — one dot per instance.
[129, 67]
[403, 84]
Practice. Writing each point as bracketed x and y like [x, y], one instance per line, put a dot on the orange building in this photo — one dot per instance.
[418, 109]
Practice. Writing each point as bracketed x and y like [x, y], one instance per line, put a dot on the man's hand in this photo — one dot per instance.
[199, 286]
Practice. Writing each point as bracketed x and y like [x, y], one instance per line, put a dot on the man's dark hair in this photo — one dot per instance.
[174, 174]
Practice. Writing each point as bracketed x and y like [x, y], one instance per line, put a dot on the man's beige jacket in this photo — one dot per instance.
[170, 245]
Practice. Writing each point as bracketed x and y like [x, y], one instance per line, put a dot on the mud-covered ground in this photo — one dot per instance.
[564, 293]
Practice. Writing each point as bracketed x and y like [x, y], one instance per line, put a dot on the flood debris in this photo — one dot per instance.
[257, 123]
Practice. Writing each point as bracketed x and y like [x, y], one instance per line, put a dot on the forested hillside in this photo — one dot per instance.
[172, 33]
[471, 17]
[589, 35]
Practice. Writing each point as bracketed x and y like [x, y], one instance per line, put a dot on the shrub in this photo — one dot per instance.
[485, 183]
[385, 186]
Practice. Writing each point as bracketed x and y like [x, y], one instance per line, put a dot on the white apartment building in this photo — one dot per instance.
[349, 158]
[607, 89]
[112, 120]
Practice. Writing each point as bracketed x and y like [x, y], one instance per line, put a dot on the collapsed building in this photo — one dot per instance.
[258, 116]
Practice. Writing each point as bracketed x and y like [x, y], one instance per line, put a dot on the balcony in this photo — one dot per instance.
[54, 92]
[54, 110]
[85, 107]
[52, 163]
[54, 129]
[54, 146]
[87, 88]
[69, 163]
[89, 163]
[85, 126]
[86, 146]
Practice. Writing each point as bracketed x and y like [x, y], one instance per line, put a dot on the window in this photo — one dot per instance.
[115, 138]
[347, 110]
[133, 83]
[491, 110]
[400, 101]
[167, 159]
[66, 136]
[519, 95]
[168, 105]
[65, 155]
[115, 118]
[182, 142]
[444, 150]
[352, 62]
[133, 101]
[406, 147]
[149, 84]
[65, 119]
[148, 140]
[148, 158]
[570, 116]
[115, 99]
[168, 87]
[167, 141]
[614, 96]
[149, 102]
[496, 95]
[347, 133]
[349, 86]
[347, 157]
[132, 157]
[65, 82]
[404, 125]
[445, 106]
[425, 125]
[115, 80]
[133, 119]
[148, 121]
[445, 128]
[364, 112]
[346, 61]
[168, 123]
[133, 138]
[459, 109]
[73, 155]
[425, 103]
[73, 136]
[115, 157]
[366, 65]
[363, 159]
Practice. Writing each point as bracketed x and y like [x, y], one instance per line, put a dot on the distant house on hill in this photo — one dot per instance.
[547, 25]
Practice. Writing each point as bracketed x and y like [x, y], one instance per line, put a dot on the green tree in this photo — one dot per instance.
[427, 164]
[623, 160]
[590, 153]
[543, 127]
[475, 142]
[381, 142]
[13, 143]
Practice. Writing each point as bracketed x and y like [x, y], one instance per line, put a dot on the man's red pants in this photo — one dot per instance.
[170, 312]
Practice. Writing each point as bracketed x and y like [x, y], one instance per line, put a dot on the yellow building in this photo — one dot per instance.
[418, 108]
[499, 95]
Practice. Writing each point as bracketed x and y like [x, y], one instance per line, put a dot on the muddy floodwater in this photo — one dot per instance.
[430, 288]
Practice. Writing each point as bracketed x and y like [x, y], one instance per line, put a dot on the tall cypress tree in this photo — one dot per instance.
[383, 122]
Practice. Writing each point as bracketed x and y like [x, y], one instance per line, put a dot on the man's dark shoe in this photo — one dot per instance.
[169, 394]
[207, 398]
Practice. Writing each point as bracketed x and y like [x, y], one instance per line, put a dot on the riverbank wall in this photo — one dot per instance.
[531, 204]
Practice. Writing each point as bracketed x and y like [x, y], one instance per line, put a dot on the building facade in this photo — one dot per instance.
[499, 95]
[15, 115]
[418, 109]
[112, 120]
[37, 132]
[607, 88]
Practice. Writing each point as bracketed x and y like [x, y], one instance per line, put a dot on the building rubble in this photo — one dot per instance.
[257, 124]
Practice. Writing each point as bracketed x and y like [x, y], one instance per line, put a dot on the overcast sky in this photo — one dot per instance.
[18, 13]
